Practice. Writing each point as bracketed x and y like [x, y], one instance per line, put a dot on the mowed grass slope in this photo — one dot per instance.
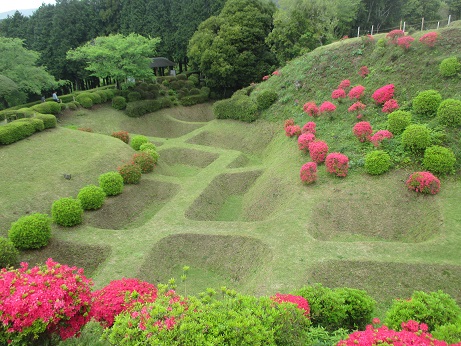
[226, 198]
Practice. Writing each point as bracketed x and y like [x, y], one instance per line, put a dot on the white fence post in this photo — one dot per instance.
[404, 23]
[449, 20]
[422, 24]
[438, 24]
[372, 30]
[358, 31]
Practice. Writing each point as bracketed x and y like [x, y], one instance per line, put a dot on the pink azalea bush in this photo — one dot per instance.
[405, 42]
[309, 127]
[318, 151]
[292, 130]
[289, 122]
[429, 39]
[379, 136]
[119, 296]
[424, 182]
[266, 77]
[356, 92]
[327, 107]
[356, 107]
[299, 301]
[311, 109]
[394, 35]
[364, 71]
[276, 73]
[346, 83]
[390, 106]
[362, 130]
[41, 301]
[337, 164]
[304, 140]
[308, 172]
[338, 94]
[384, 94]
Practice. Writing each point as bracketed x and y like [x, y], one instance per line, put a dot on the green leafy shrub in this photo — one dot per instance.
[91, 197]
[434, 309]
[194, 79]
[111, 183]
[238, 107]
[439, 160]
[137, 141]
[72, 105]
[416, 137]
[31, 231]
[95, 97]
[147, 145]
[193, 99]
[134, 96]
[427, 102]
[85, 101]
[110, 93]
[131, 173]
[449, 67]
[397, 121]
[359, 308]
[153, 153]
[49, 120]
[181, 76]
[145, 161]
[450, 333]
[377, 162]
[102, 94]
[266, 99]
[139, 108]
[119, 102]
[15, 131]
[8, 253]
[449, 112]
[67, 212]
[49, 107]
[36, 123]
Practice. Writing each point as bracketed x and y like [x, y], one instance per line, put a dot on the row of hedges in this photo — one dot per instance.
[139, 108]
[23, 128]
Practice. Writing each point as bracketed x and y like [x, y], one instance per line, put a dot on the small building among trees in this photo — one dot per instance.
[159, 64]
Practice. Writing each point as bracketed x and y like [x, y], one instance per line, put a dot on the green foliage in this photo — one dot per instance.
[360, 308]
[102, 95]
[49, 120]
[15, 131]
[237, 107]
[119, 102]
[439, 160]
[139, 108]
[36, 123]
[450, 333]
[8, 253]
[31, 231]
[131, 173]
[416, 137]
[265, 99]
[145, 161]
[397, 121]
[85, 100]
[427, 102]
[137, 141]
[50, 107]
[147, 145]
[134, 96]
[194, 79]
[91, 197]
[449, 113]
[67, 212]
[95, 97]
[193, 99]
[450, 67]
[111, 183]
[377, 162]
[435, 309]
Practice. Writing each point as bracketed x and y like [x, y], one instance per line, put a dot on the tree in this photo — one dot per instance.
[229, 49]
[117, 56]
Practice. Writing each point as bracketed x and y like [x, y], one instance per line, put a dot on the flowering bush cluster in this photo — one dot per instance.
[318, 151]
[394, 35]
[44, 300]
[299, 301]
[308, 173]
[131, 173]
[311, 109]
[362, 130]
[309, 127]
[338, 94]
[346, 83]
[356, 92]
[424, 182]
[379, 136]
[405, 42]
[327, 107]
[266, 77]
[144, 161]
[390, 106]
[292, 130]
[384, 94]
[122, 135]
[429, 39]
[304, 140]
[337, 164]
[357, 107]
[364, 71]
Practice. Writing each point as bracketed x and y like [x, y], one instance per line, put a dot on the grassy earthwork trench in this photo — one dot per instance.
[226, 200]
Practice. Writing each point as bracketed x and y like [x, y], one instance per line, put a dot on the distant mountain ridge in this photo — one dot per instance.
[27, 12]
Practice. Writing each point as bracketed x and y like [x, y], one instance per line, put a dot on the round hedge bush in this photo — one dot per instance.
[8, 253]
[397, 121]
[439, 160]
[91, 197]
[31, 231]
[416, 137]
[119, 102]
[111, 183]
[427, 102]
[423, 182]
[266, 99]
[67, 212]
[155, 155]
[145, 161]
[102, 94]
[147, 145]
[134, 96]
[377, 162]
[85, 101]
[450, 67]
[449, 112]
[131, 173]
[137, 141]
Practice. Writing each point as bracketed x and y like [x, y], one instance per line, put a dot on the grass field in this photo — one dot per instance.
[226, 200]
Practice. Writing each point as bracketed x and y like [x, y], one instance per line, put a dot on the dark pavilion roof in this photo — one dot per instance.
[161, 62]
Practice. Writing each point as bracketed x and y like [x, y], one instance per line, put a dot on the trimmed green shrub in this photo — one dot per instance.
[416, 137]
[449, 113]
[239, 107]
[427, 102]
[111, 183]
[155, 155]
[131, 173]
[67, 212]
[134, 96]
[85, 101]
[181, 76]
[91, 197]
[9, 255]
[147, 145]
[110, 93]
[137, 141]
[439, 160]
[266, 99]
[31, 231]
[193, 99]
[359, 308]
[36, 123]
[15, 131]
[49, 107]
[449, 67]
[194, 79]
[102, 94]
[434, 309]
[95, 97]
[49, 120]
[139, 108]
[377, 162]
[72, 105]
[119, 102]
[145, 161]
[397, 121]
[450, 333]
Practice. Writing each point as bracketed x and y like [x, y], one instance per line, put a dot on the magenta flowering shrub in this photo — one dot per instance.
[44, 300]
[356, 107]
[405, 42]
[304, 140]
[292, 130]
[327, 107]
[356, 92]
[390, 106]
[379, 136]
[318, 151]
[362, 130]
[299, 301]
[384, 94]
[311, 109]
[346, 83]
[119, 296]
[424, 182]
[309, 127]
[265, 77]
[308, 172]
[429, 39]
[338, 94]
[289, 122]
[364, 71]
[276, 73]
[337, 164]
[394, 35]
